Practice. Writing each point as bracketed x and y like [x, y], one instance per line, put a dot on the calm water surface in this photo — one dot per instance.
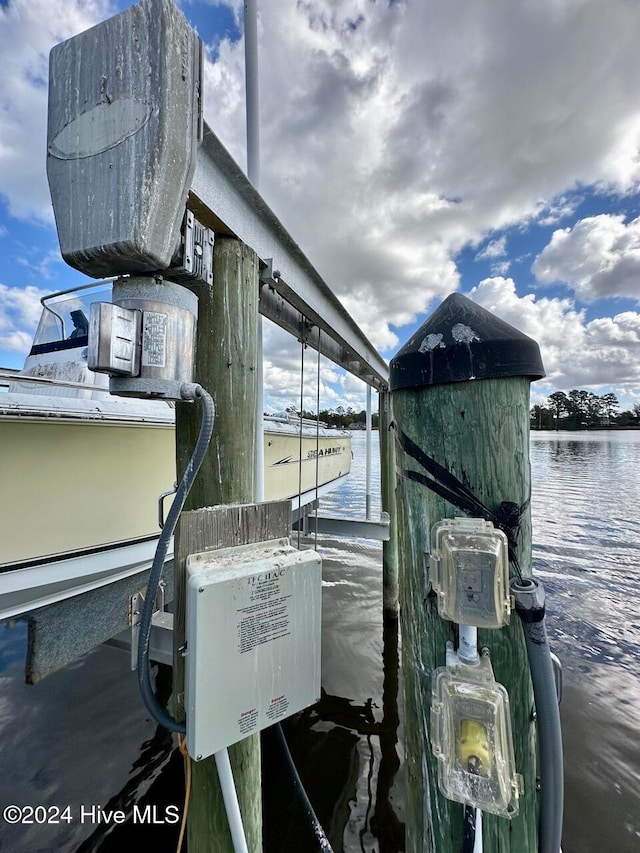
[82, 737]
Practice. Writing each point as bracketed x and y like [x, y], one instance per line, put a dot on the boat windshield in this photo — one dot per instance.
[64, 322]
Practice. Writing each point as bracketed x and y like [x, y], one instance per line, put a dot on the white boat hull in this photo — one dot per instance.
[82, 471]
[74, 485]
[325, 459]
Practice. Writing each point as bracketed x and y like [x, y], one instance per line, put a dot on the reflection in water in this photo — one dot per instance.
[355, 726]
[80, 738]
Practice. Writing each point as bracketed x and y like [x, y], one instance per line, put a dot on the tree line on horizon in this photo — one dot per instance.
[578, 409]
[339, 418]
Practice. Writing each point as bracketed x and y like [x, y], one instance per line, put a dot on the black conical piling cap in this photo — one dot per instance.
[462, 341]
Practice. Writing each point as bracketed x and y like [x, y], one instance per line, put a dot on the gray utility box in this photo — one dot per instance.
[253, 641]
[124, 125]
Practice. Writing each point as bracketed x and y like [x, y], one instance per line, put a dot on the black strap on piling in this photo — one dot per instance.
[447, 486]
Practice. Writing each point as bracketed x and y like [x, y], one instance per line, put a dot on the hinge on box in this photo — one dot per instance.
[194, 259]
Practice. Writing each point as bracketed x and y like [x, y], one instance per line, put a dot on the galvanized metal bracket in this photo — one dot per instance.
[194, 259]
[268, 275]
[136, 603]
[334, 525]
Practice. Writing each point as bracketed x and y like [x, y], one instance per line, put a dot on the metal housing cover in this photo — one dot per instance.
[124, 125]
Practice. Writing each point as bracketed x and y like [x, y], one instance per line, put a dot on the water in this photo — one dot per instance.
[82, 737]
[586, 532]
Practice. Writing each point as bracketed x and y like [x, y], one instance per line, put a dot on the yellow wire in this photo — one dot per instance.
[182, 746]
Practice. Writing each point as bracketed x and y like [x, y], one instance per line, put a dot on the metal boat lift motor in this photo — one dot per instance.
[145, 338]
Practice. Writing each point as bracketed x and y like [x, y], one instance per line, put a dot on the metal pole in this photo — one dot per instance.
[253, 173]
[251, 89]
[368, 455]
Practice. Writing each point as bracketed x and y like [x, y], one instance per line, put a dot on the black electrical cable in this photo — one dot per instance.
[318, 831]
[469, 833]
[160, 714]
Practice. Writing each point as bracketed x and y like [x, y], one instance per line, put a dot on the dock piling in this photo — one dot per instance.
[226, 366]
[479, 432]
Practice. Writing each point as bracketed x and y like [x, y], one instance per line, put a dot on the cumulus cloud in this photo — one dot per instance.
[28, 31]
[552, 212]
[284, 382]
[394, 134]
[43, 267]
[19, 313]
[500, 268]
[598, 257]
[493, 249]
[576, 353]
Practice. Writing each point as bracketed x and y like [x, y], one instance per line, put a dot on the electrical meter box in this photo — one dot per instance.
[472, 741]
[253, 641]
[469, 565]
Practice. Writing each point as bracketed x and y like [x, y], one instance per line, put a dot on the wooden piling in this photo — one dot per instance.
[388, 500]
[226, 365]
[479, 431]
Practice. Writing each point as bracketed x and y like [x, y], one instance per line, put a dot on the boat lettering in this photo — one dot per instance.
[328, 451]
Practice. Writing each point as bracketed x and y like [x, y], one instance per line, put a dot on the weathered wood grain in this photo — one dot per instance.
[226, 363]
[480, 432]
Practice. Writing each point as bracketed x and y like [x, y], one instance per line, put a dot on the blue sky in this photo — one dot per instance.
[411, 149]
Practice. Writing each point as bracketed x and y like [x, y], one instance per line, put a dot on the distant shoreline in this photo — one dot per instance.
[586, 428]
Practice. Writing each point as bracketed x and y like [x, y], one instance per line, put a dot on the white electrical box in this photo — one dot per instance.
[253, 641]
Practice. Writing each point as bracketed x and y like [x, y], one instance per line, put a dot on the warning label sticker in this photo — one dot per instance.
[278, 708]
[154, 339]
[266, 617]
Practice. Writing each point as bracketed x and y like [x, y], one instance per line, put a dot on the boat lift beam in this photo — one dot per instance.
[337, 525]
[223, 198]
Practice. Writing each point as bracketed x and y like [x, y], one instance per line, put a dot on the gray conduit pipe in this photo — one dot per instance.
[530, 598]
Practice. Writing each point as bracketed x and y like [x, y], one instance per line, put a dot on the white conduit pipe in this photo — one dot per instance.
[468, 654]
[231, 804]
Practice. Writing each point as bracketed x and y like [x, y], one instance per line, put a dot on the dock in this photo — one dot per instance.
[246, 619]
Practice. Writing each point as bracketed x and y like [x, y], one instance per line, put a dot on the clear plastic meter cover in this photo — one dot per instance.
[472, 741]
[470, 572]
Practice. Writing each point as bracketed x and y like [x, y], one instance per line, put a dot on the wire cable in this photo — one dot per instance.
[317, 441]
[469, 832]
[318, 831]
[302, 346]
[446, 485]
[160, 714]
[182, 746]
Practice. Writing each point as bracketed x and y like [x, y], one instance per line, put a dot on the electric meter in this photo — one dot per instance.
[472, 741]
[469, 565]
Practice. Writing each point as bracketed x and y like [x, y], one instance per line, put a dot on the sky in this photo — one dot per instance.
[412, 149]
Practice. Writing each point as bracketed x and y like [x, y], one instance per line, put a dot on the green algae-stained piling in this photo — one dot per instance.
[460, 391]
[226, 363]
